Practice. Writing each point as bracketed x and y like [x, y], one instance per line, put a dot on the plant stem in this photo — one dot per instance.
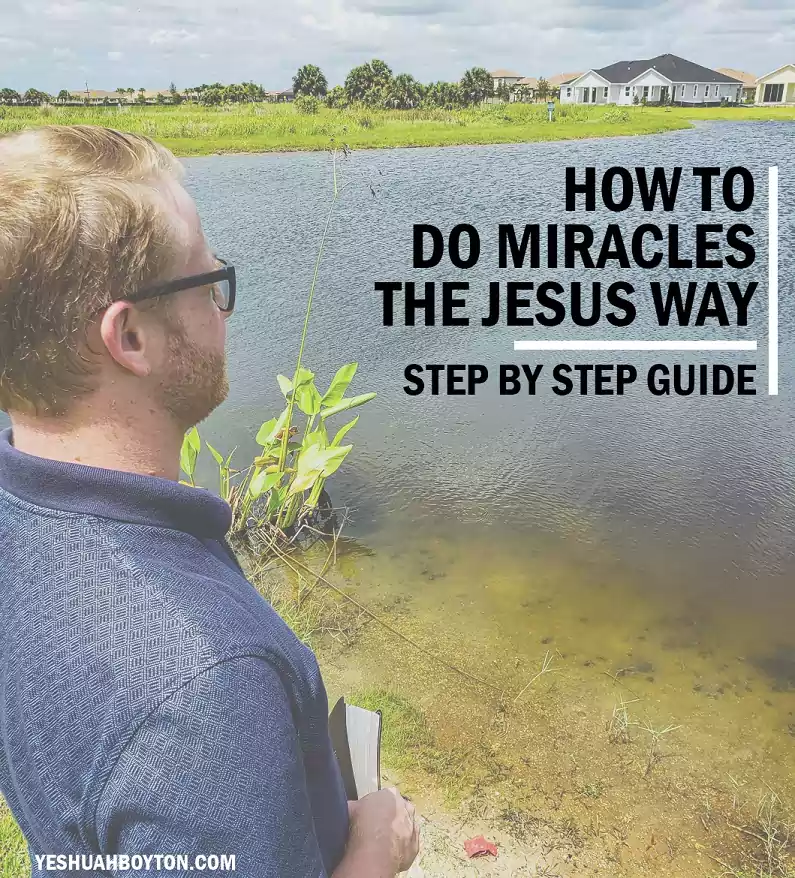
[291, 402]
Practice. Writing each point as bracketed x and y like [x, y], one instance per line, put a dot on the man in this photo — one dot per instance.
[150, 701]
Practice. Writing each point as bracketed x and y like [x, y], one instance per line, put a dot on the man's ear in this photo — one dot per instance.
[128, 338]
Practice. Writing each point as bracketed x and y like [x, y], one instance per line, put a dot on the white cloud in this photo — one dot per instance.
[68, 10]
[189, 42]
[171, 37]
[15, 44]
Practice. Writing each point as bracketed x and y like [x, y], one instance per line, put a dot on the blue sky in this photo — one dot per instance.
[55, 44]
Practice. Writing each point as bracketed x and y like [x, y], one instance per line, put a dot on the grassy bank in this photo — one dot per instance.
[191, 130]
[14, 861]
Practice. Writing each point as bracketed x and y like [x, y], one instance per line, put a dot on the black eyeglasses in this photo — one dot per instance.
[222, 281]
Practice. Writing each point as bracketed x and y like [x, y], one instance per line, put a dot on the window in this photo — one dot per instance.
[626, 92]
[774, 93]
[695, 91]
[606, 91]
[568, 92]
[645, 91]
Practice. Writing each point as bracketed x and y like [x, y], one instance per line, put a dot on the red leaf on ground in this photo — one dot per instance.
[478, 847]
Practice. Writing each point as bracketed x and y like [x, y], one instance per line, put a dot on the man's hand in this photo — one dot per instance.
[384, 836]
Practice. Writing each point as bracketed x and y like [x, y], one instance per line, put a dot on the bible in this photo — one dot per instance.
[356, 738]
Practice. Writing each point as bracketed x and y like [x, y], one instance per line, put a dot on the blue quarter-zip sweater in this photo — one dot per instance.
[151, 702]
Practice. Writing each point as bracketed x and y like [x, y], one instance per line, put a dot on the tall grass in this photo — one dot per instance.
[194, 130]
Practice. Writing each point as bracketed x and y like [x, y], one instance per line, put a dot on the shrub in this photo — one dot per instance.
[337, 98]
[617, 116]
[307, 105]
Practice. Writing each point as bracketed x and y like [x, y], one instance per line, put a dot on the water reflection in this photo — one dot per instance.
[693, 493]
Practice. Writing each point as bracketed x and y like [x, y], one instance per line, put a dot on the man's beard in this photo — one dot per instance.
[196, 382]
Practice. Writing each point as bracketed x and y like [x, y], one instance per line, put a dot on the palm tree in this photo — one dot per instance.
[9, 96]
[369, 83]
[476, 85]
[310, 81]
[36, 97]
[543, 90]
[405, 93]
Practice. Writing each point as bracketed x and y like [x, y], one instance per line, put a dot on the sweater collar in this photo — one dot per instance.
[127, 497]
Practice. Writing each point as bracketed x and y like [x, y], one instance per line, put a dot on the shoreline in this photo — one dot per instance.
[277, 151]
[192, 131]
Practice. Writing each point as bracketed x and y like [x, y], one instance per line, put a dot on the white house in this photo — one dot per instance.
[658, 80]
[777, 87]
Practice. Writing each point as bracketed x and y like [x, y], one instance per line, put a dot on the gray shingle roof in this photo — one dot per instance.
[671, 66]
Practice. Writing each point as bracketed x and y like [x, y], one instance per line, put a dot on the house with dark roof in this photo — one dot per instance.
[658, 80]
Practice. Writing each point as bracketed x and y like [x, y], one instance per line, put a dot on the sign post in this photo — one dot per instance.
[550, 109]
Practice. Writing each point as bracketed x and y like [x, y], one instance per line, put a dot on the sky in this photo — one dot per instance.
[56, 44]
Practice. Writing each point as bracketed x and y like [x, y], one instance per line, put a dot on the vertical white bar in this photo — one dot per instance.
[772, 283]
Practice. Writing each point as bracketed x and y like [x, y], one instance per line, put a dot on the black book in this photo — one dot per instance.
[356, 738]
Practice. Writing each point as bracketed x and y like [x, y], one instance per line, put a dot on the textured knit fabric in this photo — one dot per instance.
[151, 702]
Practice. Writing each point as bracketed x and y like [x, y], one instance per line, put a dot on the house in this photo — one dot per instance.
[92, 96]
[525, 89]
[502, 78]
[657, 80]
[747, 79]
[280, 97]
[777, 87]
[561, 79]
[96, 97]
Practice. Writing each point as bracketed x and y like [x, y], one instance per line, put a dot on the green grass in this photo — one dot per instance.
[192, 130]
[14, 862]
[405, 738]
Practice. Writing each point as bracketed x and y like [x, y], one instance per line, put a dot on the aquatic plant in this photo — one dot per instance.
[283, 485]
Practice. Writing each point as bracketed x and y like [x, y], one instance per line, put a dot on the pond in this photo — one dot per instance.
[691, 495]
[639, 540]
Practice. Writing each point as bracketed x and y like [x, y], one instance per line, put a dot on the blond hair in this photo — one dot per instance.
[81, 226]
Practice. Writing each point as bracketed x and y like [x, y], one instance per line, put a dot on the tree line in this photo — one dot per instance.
[372, 84]
[35, 97]
[375, 85]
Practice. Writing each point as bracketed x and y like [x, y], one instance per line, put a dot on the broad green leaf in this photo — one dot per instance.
[324, 460]
[304, 481]
[189, 453]
[269, 430]
[342, 431]
[303, 376]
[276, 499]
[217, 457]
[194, 439]
[334, 463]
[351, 403]
[339, 384]
[262, 482]
[265, 431]
[316, 437]
[307, 398]
[285, 384]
